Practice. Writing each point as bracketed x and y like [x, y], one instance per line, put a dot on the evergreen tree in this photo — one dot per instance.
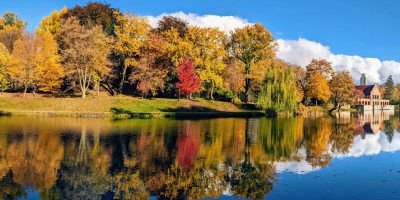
[389, 88]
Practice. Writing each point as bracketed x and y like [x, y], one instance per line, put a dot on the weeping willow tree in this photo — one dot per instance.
[278, 91]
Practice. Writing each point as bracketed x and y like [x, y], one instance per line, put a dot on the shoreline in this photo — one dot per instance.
[134, 115]
[120, 107]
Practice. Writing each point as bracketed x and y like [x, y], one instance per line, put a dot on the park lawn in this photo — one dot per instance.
[17, 104]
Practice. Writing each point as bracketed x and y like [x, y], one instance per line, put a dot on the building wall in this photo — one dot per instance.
[371, 108]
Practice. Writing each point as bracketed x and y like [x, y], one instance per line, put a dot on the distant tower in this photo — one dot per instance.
[363, 79]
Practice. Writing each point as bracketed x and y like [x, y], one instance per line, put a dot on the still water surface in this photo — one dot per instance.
[351, 157]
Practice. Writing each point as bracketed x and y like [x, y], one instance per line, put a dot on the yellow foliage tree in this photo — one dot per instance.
[22, 68]
[342, 88]
[130, 34]
[255, 48]
[317, 77]
[176, 47]
[36, 63]
[11, 28]
[48, 63]
[52, 23]
[85, 53]
[4, 60]
[318, 87]
[208, 51]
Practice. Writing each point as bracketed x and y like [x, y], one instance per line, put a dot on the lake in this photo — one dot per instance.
[354, 156]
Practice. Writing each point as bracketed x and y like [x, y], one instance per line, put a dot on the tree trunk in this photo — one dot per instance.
[25, 90]
[83, 93]
[211, 93]
[107, 86]
[121, 84]
[247, 90]
[335, 106]
[98, 88]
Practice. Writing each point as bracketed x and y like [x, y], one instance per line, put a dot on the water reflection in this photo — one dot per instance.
[177, 159]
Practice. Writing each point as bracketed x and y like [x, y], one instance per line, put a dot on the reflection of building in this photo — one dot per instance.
[371, 122]
[368, 97]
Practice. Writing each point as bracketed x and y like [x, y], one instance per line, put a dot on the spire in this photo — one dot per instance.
[363, 79]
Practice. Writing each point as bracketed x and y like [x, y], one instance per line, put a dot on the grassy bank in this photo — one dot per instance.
[121, 107]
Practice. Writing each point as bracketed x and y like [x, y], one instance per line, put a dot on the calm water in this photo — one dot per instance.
[353, 157]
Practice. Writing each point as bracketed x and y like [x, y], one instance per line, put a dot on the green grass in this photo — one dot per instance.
[104, 105]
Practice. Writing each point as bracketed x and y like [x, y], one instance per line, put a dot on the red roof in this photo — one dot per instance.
[366, 89]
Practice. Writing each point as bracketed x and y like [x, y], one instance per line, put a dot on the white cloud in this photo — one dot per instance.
[224, 23]
[302, 51]
[372, 144]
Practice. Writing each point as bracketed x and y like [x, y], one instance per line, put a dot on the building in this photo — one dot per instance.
[368, 97]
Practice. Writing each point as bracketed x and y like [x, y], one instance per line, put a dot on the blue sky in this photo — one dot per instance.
[366, 28]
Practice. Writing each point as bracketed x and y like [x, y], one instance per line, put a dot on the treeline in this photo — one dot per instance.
[85, 50]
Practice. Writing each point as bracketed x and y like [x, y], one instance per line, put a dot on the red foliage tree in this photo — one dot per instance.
[189, 81]
[144, 88]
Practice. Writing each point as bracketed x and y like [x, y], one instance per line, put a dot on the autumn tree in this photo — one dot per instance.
[389, 88]
[130, 34]
[4, 63]
[396, 93]
[255, 48]
[36, 63]
[52, 23]
[342, 89]
[170, 22]
[317, 77]
[234, 78]
[84, 52]
[11, 29]
[47, 63]
[189, 82]
[176, 48]
[208, 52]
[150, 72]
[299, 74]
[22, 69]
[95, 14]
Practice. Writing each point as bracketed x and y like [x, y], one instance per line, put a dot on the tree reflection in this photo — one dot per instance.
[342, 137]
[166, 159]
[251, 179]
[317, 135]
[9, 189]
[281, 137]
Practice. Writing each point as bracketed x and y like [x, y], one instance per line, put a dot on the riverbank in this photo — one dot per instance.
[119, 107]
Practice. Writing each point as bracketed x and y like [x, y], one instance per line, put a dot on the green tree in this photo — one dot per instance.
[255, 48]
[389, 88]
[278, 91]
